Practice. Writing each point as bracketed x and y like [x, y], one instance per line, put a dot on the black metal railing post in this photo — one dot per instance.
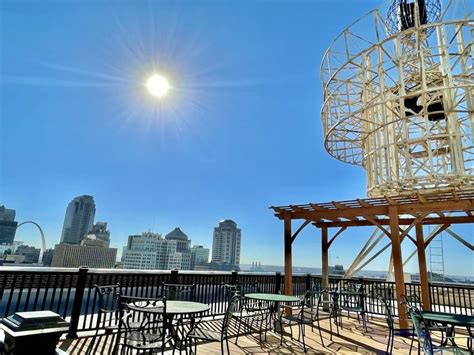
[308, 282]
[277, 282]
[234, 277]
[77, 303]
[174, 276]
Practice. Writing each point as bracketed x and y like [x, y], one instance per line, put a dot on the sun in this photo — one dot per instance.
[158, 85]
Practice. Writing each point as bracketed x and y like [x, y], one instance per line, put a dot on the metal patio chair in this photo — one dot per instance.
[108, 309]
[423, 333]
[307, 313]
[143, 325]
[199, 333]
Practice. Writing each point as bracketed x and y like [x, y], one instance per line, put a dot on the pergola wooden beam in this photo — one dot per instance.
[331, 214]
[402, 222]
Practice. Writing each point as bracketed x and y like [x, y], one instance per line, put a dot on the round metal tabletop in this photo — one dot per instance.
[173, 307]
[272, 297]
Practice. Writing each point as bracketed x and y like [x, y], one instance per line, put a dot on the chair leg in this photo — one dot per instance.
[302, 335]
[392, 340]
[227, 343]
[281, 333]
[389, 340]
[222, 347]
[364, 321]
[412, 339]
[320, 334]
[91, 345]
[238, 330]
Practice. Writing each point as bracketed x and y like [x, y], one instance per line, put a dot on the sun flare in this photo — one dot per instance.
[158, 85]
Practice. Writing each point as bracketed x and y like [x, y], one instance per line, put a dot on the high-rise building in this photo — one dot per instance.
[153, 252]
[199, 256]
[78, 220]
[7, 225]
[47, 257]
[87, 254]
[226, 243]
[100, 232]
[31, 254]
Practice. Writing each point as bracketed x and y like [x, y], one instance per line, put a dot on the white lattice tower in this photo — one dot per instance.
[399, 97]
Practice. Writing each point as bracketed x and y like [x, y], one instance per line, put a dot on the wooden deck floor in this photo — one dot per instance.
[352, 340]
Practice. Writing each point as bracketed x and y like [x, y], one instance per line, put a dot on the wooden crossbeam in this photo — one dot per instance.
[374, 222]
[441, 229]
[305, 223]
[402, 221]
[336, 235]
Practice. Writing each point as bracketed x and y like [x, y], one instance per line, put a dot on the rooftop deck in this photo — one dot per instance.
[352, 339]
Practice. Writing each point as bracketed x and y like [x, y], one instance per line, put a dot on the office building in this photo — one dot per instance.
[30, 253]
[199, 256]
[100, 232]
[7, 225]
[78, 220]
[226, 244]
[47, 257]
[9, 248]
[87, 254]
[153, 252]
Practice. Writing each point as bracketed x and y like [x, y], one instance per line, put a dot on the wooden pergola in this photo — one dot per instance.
[394, 216]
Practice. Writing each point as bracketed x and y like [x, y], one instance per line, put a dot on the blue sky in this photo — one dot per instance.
[240, 130]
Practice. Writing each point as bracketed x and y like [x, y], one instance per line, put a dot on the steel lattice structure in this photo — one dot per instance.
[400, 102]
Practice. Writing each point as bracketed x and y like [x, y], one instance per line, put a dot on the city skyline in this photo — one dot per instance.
[240, 132]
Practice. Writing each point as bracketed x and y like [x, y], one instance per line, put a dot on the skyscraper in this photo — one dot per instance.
[100, 232]
[7, 225]
[199, 256]
[152, 251]
[226, 243]
[78, 220]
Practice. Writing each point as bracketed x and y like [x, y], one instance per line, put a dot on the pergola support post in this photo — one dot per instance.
[288, 260]
[324, 257]
[424, 282]
[398, 266]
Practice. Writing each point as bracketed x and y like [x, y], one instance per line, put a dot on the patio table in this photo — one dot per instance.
[454, 320]
[273, 297]
[173, 308]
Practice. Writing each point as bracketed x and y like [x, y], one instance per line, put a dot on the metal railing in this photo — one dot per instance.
[70, 292]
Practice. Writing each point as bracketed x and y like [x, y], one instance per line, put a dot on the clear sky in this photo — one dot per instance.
[240, 130]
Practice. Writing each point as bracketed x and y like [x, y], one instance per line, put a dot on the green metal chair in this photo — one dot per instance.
[423, 333]
[198, 333]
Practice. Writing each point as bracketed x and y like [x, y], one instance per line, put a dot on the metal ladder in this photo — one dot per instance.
[437, 258]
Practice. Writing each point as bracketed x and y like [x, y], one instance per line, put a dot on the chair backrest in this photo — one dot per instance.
[108, 297]
[311, 304]
[232, 307]
[230, 291]
[412, 301]
[135, 313]
[387, 311]
[248, 287]
[352, 295]
[421, 330]
[178, 292]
